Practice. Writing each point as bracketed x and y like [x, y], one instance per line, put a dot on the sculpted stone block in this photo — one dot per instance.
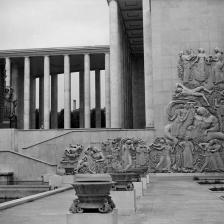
[193, 140]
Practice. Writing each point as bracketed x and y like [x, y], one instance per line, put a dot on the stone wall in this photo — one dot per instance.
[2, 86]
[52, 150]
[24, 168]
[179, 25]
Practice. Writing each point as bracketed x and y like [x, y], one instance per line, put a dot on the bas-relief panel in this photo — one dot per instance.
[193, 140]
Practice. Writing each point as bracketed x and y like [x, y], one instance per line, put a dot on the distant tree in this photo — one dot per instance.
[61, 119]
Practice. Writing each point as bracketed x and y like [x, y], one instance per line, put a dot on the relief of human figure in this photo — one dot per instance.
[181, 120]
[188, 149]
[164, 146]
[220, 112]
[182, 90]
[141, 155]
[213, 160]
[92, 161]
[180, 115]
[126, 155]
[185, 60]
[218, 67]
[205, 126]
[200, 73]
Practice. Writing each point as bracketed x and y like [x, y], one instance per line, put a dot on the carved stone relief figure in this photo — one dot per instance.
[218, 63]
[195, 115]
[213, 161]
[70, 159]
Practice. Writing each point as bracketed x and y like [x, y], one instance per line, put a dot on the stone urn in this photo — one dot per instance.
[93, 192]
[141, 171]
[123, 181]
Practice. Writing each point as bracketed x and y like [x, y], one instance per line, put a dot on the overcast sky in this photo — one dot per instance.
[55, 23]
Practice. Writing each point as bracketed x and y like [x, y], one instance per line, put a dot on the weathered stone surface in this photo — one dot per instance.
[194, 136]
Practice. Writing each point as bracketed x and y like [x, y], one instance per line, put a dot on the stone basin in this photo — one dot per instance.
[93, 192]
[124, 180]
[138, 170]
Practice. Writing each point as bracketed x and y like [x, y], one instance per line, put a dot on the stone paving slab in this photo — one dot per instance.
[175, 201]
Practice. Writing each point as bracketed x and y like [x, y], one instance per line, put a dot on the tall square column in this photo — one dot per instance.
[107, 90]
[33, 102]
[148, 76]
[26, 119]
[41, 101]
[67, 92]
[46, 92]
[87, 90]
[115, 66]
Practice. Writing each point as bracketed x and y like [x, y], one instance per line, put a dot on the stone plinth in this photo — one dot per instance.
[144, 183]
[138, 189]
[96, 218]
[67, 179]
[147, 178]
[55, 181]
[125, 201]
[93, 192]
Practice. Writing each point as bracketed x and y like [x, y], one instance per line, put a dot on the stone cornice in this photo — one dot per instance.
[55, 51]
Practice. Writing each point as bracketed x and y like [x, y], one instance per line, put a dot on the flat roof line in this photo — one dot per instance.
[55, 51]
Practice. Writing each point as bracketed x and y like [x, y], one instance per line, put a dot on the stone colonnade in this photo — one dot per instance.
[121, 69]
[24, 86]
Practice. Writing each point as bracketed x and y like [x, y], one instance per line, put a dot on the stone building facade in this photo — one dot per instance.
[146, 37]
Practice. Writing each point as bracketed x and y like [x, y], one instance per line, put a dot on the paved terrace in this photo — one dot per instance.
[166, 201]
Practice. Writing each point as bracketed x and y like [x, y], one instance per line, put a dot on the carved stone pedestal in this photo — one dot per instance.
[55, 181]
[138, 189]
[125, 201]
[95, 218]
[67, 180]
[123, 181]
[144, 183]
[93, 192]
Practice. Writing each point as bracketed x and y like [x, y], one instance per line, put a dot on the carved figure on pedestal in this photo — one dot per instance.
[92, 162]
[70, 159]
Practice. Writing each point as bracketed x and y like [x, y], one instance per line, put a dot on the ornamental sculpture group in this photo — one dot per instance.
[193, 139]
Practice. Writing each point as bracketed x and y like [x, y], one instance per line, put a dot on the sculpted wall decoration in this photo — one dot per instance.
[114, 155]
[70, 159]
[193, 140]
